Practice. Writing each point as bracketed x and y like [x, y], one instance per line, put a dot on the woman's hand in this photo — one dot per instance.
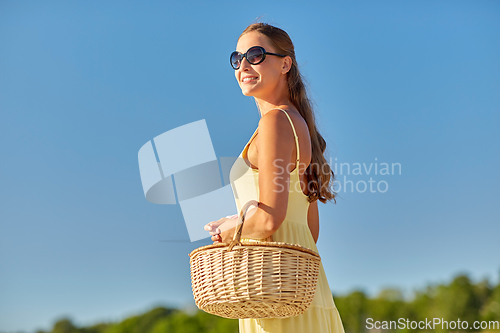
[222, 230]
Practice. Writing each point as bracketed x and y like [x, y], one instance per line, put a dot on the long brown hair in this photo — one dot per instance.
[319, 175]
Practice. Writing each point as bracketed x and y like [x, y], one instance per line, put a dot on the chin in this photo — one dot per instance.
[247, 92]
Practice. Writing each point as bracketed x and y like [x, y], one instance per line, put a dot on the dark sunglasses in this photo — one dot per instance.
[255, 55]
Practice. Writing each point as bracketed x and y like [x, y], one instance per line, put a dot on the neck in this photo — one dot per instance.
[267, 104]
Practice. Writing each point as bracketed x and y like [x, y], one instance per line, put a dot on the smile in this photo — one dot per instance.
[249, 79]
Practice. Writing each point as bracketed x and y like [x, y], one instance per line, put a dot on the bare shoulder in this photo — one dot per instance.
[274, 120]
[277, 121]
[274, 141]
[275, 129]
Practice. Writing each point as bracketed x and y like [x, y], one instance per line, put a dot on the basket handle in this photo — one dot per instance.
[239, 226]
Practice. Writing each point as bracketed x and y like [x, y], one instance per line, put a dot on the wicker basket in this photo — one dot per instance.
[253, 279]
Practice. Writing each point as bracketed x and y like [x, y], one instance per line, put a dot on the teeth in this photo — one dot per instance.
[249, 78]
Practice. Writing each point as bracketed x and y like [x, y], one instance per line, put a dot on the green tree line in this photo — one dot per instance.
[460, 299]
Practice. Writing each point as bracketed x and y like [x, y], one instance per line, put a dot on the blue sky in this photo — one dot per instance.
[83, 85]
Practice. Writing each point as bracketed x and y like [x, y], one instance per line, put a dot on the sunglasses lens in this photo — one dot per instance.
[255, 55]
[235, 60]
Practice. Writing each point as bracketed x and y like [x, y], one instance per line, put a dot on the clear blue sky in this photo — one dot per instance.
[83, 85]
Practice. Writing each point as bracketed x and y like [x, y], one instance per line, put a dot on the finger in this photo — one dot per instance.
[211, 226]
[215, 232]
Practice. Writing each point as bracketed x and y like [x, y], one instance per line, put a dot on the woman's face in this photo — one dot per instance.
[264, 77]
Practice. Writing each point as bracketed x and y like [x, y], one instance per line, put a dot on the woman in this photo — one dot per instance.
[283, 168]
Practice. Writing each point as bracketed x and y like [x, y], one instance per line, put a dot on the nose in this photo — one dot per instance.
[244, 65]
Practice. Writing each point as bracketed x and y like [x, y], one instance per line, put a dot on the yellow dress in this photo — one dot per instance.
[322, 315]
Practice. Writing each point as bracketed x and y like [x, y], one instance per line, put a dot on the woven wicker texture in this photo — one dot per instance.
[253, 280]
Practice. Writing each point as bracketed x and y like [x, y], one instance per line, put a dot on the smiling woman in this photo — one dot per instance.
[282, 167]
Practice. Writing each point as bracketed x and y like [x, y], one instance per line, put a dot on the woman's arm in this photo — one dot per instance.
[275, 146]
[313, 220]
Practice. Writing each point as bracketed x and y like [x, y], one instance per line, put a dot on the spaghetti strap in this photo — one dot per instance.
[296, 137]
